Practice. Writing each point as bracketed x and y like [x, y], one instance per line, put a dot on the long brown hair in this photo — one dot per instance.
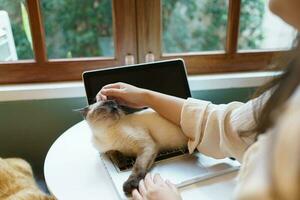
[282, 88]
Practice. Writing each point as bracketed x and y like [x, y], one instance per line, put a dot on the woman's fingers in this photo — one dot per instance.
[157, 179]
[142, 188]
[123, 93]
[100, 97]
[113, 85]
[112, 92]
[155, 188]
[103, 93]
[149, 181]
[136, 195]
[171, 185]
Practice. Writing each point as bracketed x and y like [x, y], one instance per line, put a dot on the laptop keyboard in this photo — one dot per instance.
[124, 163]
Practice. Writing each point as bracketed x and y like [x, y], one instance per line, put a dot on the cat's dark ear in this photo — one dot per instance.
[83, 111]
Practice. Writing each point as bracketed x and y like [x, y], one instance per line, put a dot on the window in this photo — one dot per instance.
[194, 26]
[15, 34]
[85, 31]
[266, 31]
[56, 40]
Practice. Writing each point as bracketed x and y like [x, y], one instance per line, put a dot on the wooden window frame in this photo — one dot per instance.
[42, 69]
[137, 28]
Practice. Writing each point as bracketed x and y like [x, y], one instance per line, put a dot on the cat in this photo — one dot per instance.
[17, 182]
[141, 134]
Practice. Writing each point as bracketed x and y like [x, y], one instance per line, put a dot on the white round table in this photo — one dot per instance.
[74, 171]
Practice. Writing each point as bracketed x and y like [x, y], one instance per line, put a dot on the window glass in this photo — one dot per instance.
[194, 25]
[15, 35]
[76, 28]
[264, 30]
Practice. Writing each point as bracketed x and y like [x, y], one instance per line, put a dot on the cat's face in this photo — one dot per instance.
[103, 111]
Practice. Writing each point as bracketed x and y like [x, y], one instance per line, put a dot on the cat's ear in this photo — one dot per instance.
[83, 111]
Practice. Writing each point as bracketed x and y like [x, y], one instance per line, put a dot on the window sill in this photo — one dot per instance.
[76, 89]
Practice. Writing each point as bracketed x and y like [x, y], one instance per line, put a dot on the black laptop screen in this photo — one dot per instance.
[168, 77]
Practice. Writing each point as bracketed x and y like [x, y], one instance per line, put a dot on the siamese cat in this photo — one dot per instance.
[141, 134]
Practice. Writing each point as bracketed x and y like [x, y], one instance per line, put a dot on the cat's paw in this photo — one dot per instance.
[131, 184]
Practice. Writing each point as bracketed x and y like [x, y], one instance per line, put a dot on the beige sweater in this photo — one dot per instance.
[270, 164]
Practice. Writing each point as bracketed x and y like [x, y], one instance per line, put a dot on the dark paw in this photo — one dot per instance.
[131, 184]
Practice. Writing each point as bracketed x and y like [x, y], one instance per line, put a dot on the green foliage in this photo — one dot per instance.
[201, 25]
[76, 28]
[23, 46]
[251, 33]
[191, 25]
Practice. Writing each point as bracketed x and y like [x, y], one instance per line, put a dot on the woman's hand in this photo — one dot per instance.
[131, 96]
[124, 94]
[155, 189]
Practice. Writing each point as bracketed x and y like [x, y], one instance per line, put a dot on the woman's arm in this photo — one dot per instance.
[212, 129]
[168, 106]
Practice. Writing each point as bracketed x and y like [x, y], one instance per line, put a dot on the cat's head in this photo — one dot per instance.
[103, 111]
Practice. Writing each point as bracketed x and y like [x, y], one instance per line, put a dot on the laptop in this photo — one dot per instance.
[168, 77]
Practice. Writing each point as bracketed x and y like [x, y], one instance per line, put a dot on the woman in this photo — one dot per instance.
[263, 134]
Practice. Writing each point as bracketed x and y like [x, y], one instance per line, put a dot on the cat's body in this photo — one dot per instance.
[128, 134]
[142, 134]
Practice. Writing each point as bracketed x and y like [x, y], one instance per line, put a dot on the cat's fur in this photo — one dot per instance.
[142, 134]
[17, 182]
